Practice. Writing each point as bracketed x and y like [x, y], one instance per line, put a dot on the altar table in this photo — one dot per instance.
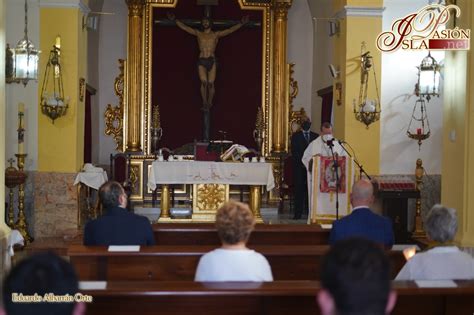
[212, 179]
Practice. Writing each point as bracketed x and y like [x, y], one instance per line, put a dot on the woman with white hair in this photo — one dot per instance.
[445, 260]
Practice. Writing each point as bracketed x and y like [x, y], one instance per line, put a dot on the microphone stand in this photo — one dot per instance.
[335, 165]
[361, 168]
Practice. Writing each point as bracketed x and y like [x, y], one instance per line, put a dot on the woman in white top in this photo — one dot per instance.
[444, 261]
[233, 261]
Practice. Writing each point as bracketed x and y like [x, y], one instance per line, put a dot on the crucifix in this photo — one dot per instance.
[207, 41]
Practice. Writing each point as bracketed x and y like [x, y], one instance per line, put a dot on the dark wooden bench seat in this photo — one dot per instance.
[280, 297]
[264, 234]
[170, 263]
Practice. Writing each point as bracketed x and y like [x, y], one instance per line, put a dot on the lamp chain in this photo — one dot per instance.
[376, 87]
[27, 41]
[26, 21]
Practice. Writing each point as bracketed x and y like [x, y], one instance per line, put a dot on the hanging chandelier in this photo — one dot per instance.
[53, 103]
[419, 126]
[367, 111]
[22, 61]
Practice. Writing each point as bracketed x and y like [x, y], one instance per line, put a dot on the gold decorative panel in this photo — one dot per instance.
[209, 196]
[136, 180]
[113, 115]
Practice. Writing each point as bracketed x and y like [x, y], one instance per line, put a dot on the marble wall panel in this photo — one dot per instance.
[55, 202]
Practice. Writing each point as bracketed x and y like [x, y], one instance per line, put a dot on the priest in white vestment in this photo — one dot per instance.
[321, 146]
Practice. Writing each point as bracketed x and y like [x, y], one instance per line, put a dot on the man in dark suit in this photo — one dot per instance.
[299, 143]
[362, 222]
[117, 226]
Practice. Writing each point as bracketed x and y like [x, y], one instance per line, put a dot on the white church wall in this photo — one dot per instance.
[300, 52]
[399, 75]
[323, 47]
[93, 80]
[16, 93]
[112, 46]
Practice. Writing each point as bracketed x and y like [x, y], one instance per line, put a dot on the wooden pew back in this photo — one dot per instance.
[286, 297]
[169, 263]
[264, 234]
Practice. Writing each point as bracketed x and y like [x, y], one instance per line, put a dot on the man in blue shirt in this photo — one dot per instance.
[362, 222]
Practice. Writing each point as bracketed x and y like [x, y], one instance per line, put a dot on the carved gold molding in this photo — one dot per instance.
[134, 79]
[135, 7]
[296, 117]
[210, 196]
[114, 115]
[207, 198]
[280, 84]
[136, 180]
[293, 84]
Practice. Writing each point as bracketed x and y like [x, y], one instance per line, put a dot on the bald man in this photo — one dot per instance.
[362, 222]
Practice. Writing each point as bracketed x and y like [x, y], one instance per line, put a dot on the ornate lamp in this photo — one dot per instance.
[419, 126]
[367, 111]
[53, 103]
[428, 78]
[22, 61]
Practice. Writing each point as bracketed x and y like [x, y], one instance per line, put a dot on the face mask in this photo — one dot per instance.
[327, 137]
[306, 125]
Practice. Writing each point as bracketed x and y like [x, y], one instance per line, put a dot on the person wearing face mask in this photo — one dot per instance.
[322, 146]
[299, 142]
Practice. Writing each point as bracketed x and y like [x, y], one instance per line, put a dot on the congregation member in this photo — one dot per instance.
[362, 221]
[355, 279]
[49, 277]
[233, 261]
[444, 260]
[117, 226]
[299, 142]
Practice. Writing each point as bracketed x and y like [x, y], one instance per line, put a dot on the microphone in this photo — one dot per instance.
[330, 142]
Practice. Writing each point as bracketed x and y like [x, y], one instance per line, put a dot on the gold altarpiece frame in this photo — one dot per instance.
[267, 61]
[130, 122]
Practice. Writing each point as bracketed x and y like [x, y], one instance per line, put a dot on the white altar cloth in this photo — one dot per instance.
[200, 172]
[91, 179]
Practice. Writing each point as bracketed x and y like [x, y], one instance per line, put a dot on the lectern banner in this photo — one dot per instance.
[322, 186]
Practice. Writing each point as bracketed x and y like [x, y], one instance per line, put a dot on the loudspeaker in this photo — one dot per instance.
[334, 71]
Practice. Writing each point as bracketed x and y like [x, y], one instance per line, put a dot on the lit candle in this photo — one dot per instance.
[418, 131]
[21, 129]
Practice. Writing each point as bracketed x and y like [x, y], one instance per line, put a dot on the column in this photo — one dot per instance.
[457, 179]
[61, 145]
[280, 84]
[134, 82]
[360, 21]
[4, 229]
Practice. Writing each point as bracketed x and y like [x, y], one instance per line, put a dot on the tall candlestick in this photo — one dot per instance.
[21, 129]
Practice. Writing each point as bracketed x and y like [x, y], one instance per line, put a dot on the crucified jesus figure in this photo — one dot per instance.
[207, 40]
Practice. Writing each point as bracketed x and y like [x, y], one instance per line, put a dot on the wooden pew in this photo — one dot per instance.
[264, 234]
[285, 297]
[170, 263]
